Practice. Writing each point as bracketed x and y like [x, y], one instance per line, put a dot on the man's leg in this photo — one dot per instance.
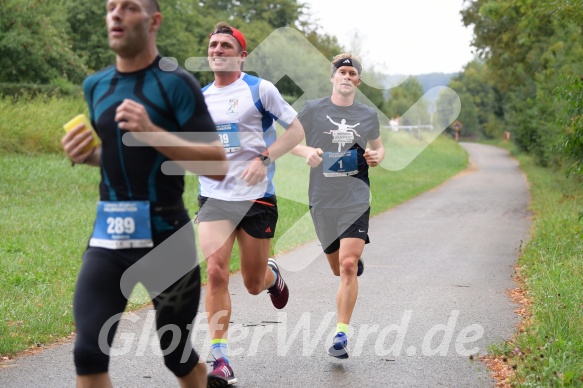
[334, 261]
[98, 380]
[196, 378]
[97, 299]
[344, 262]
[216, 241]
[254, 252]
[350, 251]
[254, 237]
[176, 307]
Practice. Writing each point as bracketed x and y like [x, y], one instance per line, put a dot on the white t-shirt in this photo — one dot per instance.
[244, 114]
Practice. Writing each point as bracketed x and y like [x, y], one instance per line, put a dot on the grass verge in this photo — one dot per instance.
[33, 126]
[547, 351]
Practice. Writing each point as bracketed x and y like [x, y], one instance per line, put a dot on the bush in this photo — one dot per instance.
[58, 88]
[571, 143]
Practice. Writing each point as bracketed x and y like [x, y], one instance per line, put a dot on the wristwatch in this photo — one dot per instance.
[264, 159]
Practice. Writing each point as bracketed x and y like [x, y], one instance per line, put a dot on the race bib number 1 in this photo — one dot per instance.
[122, 224]
[340, 163]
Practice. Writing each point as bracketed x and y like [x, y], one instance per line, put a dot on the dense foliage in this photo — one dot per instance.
[34, 43]
[525, 80]
[58, 41]
[527, 77]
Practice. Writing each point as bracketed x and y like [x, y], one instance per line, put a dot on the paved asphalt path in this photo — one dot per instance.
[433, 292]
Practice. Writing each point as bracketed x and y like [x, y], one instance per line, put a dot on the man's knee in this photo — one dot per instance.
[181, 360]
[254, 285]
[217, 275]
[90, 360]
[349, 267]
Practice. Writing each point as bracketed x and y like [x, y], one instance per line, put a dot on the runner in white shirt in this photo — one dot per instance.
[244, 114]
[243, 207]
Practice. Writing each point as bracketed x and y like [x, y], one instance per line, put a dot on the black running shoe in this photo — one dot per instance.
[360, 267]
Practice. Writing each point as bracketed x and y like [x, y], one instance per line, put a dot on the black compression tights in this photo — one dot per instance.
[99, 302]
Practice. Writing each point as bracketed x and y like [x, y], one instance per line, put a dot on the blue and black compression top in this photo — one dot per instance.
[174, 102]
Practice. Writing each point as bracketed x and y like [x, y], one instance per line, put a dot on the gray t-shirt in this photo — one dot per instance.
[342, 133]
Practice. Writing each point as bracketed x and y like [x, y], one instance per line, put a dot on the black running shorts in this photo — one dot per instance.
[257, 218]
[332, 225]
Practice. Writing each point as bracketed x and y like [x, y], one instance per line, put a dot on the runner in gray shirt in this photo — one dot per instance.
[342, 141]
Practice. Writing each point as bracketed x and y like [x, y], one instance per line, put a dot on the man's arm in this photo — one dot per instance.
[313, 155]
[292, 136]
[257, 171]
[133, 117]
[376, 153]
[74, 143]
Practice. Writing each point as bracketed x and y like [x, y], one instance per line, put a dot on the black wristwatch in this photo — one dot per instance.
[264, 159]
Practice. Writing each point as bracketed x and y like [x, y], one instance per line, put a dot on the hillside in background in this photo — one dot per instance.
[431, 80]
[427, 81]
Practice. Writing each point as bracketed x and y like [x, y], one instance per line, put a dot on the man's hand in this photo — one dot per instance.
[372, 157]
[255, 172]
[313, 156]
[74, 143]
[133, 116]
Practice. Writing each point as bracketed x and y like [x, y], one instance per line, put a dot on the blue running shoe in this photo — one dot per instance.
[338, 348]
[360, 267]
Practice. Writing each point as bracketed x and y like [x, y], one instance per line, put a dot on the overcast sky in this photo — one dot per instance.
[399, 36]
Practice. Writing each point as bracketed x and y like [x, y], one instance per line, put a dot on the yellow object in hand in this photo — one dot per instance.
[82, 119]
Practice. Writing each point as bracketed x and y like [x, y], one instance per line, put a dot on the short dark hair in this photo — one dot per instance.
[153, 6]
[224, 28]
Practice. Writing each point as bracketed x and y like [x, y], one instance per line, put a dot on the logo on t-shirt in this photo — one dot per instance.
[344, 134]
[233, 107]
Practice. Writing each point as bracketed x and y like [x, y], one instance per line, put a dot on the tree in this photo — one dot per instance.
[469, 116]
[42, 41]
[527, 48]
[88, 33]
[34, 45]
[479, 99]
[570, 93]
[407, 97]
[445, 109]
[571, 143]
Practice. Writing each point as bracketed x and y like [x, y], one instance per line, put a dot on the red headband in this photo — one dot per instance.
[235, 34]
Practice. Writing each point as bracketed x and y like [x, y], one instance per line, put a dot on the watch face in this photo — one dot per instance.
[264, 159]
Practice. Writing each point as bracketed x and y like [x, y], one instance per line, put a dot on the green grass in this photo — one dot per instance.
[549, 353]
[45, 222]
[49, 207]
[36, 126]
